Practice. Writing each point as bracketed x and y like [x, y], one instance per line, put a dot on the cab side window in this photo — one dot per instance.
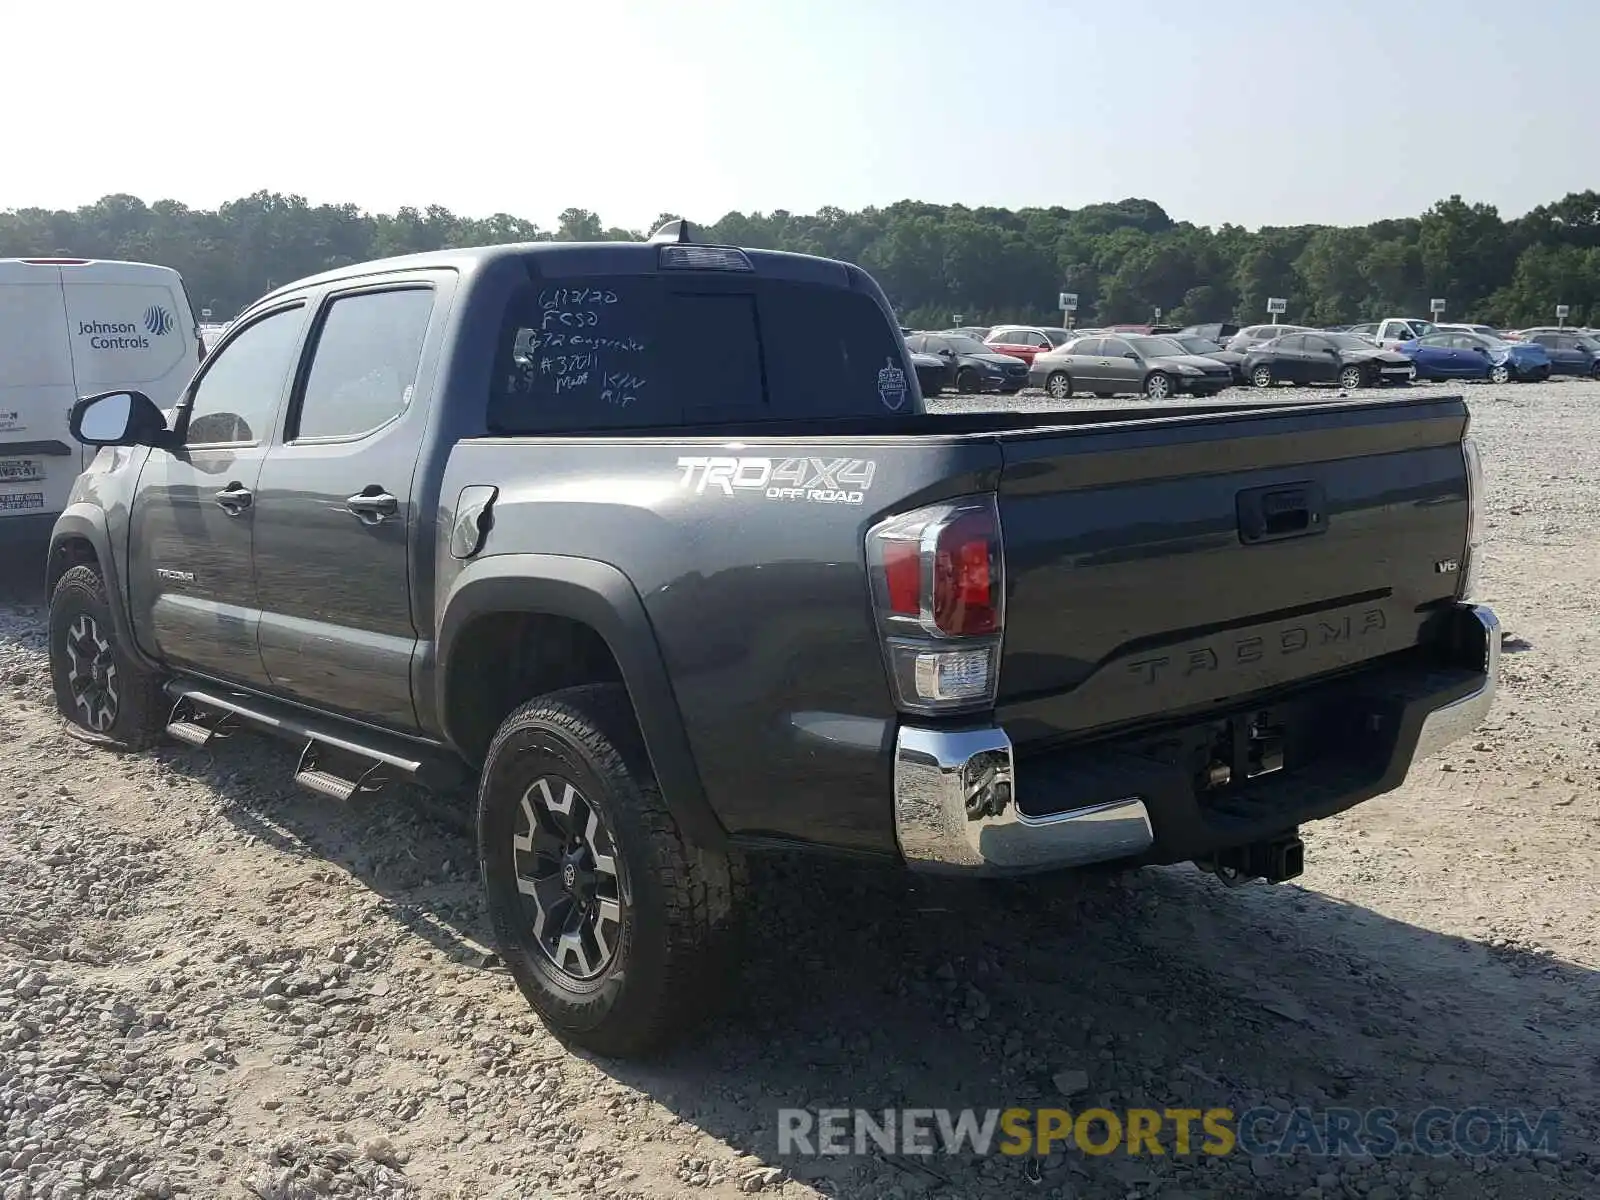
[234, 401]
[364, 367]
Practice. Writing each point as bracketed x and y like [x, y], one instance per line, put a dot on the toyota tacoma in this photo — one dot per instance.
[493, 518]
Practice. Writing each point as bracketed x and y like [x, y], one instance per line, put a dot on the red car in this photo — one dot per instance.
[1025, 341]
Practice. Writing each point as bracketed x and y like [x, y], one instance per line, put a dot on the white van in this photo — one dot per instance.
[71, 327]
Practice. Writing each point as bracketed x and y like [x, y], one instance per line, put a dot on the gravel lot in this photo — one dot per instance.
[212, 984]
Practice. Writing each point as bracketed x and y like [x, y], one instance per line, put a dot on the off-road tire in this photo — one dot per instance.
[139, 714]
[679, 902]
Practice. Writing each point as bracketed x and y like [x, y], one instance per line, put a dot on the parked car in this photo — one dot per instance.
[1156, 330]
[973, 331]
[1207, 348]
[1452, 354]
[615, 588]
[70, 326]
[1025, 341]
[1217, 331]
[1157, 367]
[934, 374]
[1248, 338]
[1391, 331]
[976, 367]
[1570, 353]
[1482, 330]
[1340, 358]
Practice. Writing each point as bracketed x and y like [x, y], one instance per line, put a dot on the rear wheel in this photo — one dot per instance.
[1351, 378]
[967, 381]
[1500, 373]
[1059, 385]
[615, 928]
[1261, 376]
[100, 687]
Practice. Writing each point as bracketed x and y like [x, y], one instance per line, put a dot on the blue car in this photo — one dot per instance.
[1476, 356]
[1570, 353]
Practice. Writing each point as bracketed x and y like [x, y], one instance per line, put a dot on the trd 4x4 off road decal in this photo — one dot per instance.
[815, 480]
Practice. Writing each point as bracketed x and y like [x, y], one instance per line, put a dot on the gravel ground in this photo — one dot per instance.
[212, 984]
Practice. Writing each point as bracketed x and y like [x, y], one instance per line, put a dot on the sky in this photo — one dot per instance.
[1266, 112]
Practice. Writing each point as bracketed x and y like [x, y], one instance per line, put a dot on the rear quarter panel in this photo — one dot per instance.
[753, 578]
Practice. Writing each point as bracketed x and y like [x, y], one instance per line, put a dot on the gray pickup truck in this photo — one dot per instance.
[657, 543]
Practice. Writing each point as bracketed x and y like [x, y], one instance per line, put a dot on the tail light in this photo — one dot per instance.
[938, 588]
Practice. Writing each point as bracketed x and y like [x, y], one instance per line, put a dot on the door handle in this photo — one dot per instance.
[372, 505]
[235, 498]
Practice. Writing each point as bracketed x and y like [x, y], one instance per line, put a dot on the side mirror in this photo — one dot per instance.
[119, 419]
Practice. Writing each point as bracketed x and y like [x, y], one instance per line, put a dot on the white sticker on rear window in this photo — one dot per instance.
[892, 386]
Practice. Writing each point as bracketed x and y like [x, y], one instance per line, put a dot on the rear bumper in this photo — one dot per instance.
[962, 805]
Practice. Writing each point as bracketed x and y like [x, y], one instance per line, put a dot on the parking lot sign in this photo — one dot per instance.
[1276, 305]
[1436, 305]
[1562, 310]
[205, 314]
[1069, 302]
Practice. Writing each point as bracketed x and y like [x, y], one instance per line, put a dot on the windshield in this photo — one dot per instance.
[1491, 343]
[1424, 328]
[1589, 343]
[1156, 347]
[1345, 341]
[1198, 345]
[1060, 337]
[962, 344]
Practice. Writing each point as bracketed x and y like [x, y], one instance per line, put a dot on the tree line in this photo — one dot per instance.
[1124, 260]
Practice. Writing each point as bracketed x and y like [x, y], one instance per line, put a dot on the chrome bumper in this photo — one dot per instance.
[955, 808]
[1460, 717]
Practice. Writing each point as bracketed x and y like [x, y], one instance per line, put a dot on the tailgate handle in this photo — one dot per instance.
[1272, 514]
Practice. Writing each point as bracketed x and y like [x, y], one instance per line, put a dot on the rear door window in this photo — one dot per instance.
[364, 367]
[631, 352]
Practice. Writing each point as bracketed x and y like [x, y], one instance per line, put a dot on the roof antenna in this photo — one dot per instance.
[676, 232]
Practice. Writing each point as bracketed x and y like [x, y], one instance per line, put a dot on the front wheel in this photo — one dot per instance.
[1594, 371]
[1158, 386]
[1500, 373]
[967, 381]
[1351, 378]
[1261, 376]
[101, 688]
[1059, 385]
[615, 928]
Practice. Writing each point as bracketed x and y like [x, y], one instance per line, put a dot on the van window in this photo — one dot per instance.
[629, 352]
[234, 400]
[364, 368]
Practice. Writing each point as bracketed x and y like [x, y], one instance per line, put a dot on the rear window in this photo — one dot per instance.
[641, 352]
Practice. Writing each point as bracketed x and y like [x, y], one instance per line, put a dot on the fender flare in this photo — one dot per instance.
[88, 522]
[600, 596]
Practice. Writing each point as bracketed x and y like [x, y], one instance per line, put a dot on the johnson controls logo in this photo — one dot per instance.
[125, 335]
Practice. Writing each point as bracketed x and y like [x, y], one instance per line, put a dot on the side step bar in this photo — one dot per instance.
[338, 759]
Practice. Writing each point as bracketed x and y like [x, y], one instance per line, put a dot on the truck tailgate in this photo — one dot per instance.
[1185, 564]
